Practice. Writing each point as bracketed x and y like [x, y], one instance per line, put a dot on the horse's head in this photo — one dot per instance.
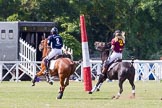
[41, 45]
[101, 46]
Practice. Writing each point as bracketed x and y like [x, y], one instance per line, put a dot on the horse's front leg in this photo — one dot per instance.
[97, 87]
[40, 73]
[34, 80]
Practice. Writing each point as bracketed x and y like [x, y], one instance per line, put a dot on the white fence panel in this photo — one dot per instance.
[148, 70]
[14, 68]
[27, 54]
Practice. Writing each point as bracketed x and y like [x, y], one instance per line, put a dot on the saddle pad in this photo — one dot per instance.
[112, 65]
[52, 64]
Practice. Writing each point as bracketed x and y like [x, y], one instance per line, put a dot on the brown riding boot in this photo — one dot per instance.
[104, 70]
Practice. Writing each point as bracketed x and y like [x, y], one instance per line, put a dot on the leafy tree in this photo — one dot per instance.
[13, 17]
[72, 43]
[140, 19]
[145, 29]
[8, 8]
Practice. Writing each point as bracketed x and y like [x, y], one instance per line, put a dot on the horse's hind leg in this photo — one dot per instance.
[131, 81]
[62, 87]
[121, 80]
[67, 81]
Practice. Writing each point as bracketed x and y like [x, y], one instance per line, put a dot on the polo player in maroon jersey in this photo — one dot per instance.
[117, 46]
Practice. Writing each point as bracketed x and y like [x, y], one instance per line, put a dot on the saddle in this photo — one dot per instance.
[57, 56]
[114, 63]
[53, 60]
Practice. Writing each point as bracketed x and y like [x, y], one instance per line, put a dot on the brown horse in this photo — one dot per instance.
[63, 68]
[120, 71]
[43, 47]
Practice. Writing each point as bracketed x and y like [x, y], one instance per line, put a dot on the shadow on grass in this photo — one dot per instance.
[88, 98]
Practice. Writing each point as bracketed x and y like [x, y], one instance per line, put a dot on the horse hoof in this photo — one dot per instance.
[98, 90]
[51, 83]
[132, 96]
[112, 97]
[117, 97]
[59, 96]
[89, 92]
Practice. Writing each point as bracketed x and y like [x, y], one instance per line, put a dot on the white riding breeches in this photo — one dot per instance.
[113, 56]
[53, 53]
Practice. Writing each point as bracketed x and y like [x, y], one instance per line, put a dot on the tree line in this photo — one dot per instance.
[140, 19]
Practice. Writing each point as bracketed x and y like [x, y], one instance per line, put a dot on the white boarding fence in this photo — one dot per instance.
[145, 69]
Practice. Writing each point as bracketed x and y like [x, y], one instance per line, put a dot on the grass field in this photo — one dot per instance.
[43, 95]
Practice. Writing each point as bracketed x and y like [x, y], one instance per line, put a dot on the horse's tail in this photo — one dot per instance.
[131, 68]
[77, 62]
[74, 64]
[132, 60]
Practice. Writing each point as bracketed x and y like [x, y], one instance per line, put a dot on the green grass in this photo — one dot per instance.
[43, 95]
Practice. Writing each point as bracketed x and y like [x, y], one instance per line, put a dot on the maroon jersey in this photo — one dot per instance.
[118, 45]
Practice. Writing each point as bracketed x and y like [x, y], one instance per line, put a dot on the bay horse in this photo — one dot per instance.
[63, 68]
[120, 71]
